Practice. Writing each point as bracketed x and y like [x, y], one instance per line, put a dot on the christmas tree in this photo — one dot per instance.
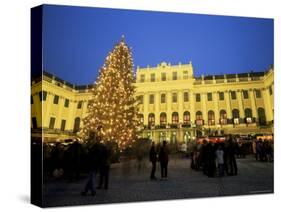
[112, 112]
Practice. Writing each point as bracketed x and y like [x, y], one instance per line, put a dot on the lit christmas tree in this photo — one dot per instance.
[112, 113]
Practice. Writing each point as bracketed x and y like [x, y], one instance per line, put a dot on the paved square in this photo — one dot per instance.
[130, 184]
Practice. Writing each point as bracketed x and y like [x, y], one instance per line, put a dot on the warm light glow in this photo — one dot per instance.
[112, 113]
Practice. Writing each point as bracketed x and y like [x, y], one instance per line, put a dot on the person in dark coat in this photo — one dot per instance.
[153, 160]
[94, 157]
[204, 157]
[211, 160]
[74, 161]
[164, 159]
[232, 150]
[105, 161]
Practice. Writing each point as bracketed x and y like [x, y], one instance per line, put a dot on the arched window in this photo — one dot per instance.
[175, 118]
[199, 118]
[248, 115]
[211, 117]
[235, 113]
[261, 116]
[76, 127]
[163, 119]
[186, 117]
[248, 112]
[151, 119]
[223, 117]
[235, 116]
[199, 115]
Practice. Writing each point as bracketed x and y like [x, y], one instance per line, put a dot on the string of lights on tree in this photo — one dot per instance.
[112, 112]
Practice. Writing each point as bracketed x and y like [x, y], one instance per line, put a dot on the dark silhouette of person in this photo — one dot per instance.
[204, 156]
[105, 157]
[74, 160]
[232, 149]
[164, 159]
[94, 158]
[211, 157]
[153, 160]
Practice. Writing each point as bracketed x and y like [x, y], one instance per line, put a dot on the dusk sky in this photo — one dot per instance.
[76, 41]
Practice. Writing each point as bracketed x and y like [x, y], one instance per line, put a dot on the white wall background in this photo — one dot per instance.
[15, 100]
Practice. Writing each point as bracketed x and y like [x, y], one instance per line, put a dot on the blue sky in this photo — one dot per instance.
[76, 41]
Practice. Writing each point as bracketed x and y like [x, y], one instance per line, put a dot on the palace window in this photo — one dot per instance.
[163, 119]
[199, 118]
[152, 77]
[261, 116]
[151, 119]
[76, 127]
[66, 103]
[42, 95]
[163, 98]
[198, 97]
[175, 97]
[175, 118]
[62, 127]
[233, 94]
[140, 99]
[248, 115]
[142, 78]
[186, 117]
[210, 96]
[163, 77]
[245, 94]
[52, 123]
[211, 117]
[175, 76]
[185, 97]
[258, 93]
[223, 117]
[151, 99]
[79, 105]
[56, 99]
[221, 96]
[235, 116]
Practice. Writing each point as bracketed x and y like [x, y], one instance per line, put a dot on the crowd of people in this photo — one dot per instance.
[99, 156]
[216, 159]
[68, 160]
[219, 159]
[162, 155]
[263, 150]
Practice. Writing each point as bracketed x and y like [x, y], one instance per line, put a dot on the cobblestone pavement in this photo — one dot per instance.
[130, 184]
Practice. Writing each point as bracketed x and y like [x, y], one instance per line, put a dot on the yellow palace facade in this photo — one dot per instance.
[174, 105]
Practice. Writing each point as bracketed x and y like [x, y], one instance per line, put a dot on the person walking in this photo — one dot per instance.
[94, 157]
[153, 160]
[164, 159]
